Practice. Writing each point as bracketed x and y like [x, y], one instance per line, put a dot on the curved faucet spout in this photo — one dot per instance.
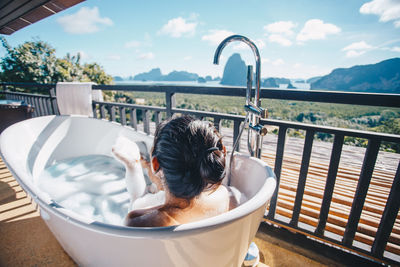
[255, 52]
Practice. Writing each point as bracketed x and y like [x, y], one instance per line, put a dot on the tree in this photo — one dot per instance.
[30, 62]
[93, 72]
[36, 62]
[69, 69]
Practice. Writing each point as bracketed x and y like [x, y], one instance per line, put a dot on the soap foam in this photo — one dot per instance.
[92, 186]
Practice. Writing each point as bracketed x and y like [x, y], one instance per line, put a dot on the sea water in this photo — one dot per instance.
[92, 186]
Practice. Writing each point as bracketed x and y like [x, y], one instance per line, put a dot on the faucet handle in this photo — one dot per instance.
[264, 131]
[264, 113]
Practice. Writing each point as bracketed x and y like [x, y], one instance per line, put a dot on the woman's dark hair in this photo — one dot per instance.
[190, 154]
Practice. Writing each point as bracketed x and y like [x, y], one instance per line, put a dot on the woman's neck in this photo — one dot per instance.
[177, 202]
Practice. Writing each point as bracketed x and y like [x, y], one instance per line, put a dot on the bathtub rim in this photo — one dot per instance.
[260, 199]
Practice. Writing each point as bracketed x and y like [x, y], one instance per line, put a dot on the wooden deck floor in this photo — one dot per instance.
[346, 183]
[13, 199]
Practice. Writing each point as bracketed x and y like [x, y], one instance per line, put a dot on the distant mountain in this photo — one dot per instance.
[177, 76]
[274, 82]
[117, 79]
[235, 71]
[313, 79]
[269, 83]
[282, 80]
[382, 77]
[153, 75]
[174, 76]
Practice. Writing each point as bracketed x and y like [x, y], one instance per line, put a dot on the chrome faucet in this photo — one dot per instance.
[254, 110]
[255, 52]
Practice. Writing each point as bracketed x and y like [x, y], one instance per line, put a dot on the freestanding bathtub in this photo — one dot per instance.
[30, 146]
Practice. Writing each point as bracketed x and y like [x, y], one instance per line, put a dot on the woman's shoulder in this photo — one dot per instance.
[153, 217]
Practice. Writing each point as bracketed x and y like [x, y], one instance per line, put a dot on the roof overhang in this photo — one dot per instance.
[17, 14]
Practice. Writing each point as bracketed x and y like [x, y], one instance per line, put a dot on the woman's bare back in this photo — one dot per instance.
[179, 211]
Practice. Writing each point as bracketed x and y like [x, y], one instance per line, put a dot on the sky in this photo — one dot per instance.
[296, 39]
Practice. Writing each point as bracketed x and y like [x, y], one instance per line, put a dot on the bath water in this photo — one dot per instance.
[92, 186]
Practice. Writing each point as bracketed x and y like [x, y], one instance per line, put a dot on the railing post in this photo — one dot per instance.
[236, 129]
[280, 149]
[170, 102]
[102, 111]
[112, 113]
[53, 101]
[122, 115]
[330, 183]
[157, 118]
[217, 123]
[305, 162]
[361, 192]
[388, 218]
[94, 107]
[146, 121]
[133, 119]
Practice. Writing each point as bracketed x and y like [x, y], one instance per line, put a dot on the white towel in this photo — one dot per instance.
[97, 95]
[74, 98]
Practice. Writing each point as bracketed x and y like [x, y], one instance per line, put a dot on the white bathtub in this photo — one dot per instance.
[32, 145]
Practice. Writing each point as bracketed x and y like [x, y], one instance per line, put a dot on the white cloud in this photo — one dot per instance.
[265, 60]
[276, 38]
[83, 55]
[357, 46]
[316, 29]
[178, 27]
[357, 49]
[84, 21]
[216, 36]
[278, 62]
[387, 10]
[187, 58]
[146, 56]
[280, 27]
[297, 65]
[354, 53]
[395, 49]
[133, 44]
[114, 57]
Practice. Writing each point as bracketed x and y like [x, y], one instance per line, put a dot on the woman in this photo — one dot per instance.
[188, 163]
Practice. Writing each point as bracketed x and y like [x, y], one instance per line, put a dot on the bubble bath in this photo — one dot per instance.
[92, 186]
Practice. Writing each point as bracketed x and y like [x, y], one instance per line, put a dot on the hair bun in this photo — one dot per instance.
[212, 167]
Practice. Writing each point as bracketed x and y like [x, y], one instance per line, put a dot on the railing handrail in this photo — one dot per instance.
[333, 97]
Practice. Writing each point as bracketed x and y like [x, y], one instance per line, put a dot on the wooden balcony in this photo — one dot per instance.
[343, 200]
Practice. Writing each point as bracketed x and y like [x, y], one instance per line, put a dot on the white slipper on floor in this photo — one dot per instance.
[253, 256]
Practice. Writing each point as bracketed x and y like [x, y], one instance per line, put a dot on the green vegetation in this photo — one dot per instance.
[36, 62]
[378, 119]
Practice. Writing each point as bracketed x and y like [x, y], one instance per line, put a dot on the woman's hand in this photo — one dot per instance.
[126, 151]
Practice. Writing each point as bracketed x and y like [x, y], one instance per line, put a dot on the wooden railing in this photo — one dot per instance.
[348, 204]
